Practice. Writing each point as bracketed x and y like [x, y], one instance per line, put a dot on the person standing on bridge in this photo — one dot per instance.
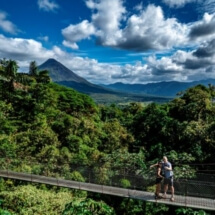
[158, 180]
[168, 178]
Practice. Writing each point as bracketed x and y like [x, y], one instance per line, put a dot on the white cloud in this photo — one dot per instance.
[70, 45]
[204, 28]
[182, 66]
[47, 5]
[74, 33]
[21, 49]
[140, 33]
[107, 19]
[177, 3]
[144, 32]
[6, 25]
[105, 23]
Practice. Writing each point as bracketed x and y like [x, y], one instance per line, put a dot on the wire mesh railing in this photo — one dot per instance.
[200, 185]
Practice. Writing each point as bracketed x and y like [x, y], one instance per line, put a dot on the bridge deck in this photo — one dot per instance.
[185, 201]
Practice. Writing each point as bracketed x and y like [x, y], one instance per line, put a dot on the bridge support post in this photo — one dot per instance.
[89, 176]
[185, 193]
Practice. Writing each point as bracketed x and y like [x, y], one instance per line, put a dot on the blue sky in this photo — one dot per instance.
[108, 41]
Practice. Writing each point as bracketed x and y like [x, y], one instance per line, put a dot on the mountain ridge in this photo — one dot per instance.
[164, 88]
[115, 93]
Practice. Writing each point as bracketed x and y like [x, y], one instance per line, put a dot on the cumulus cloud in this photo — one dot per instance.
[206, 50]
[201, 58]
[74, 33]
[165, 69]
[6, 25]
[144, 32]
[163, 66]
[183, 66]
[192, 61]
[70, 45]
[203, 28]
[107, 19]
[105, 24]
[47, 5]
[177, 3]
[23, 50]
[112, 26]
[140, 33]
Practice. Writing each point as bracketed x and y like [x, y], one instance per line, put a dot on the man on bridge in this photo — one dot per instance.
[168, 177]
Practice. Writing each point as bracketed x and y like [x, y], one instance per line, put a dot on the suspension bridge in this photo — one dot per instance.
[195, 193]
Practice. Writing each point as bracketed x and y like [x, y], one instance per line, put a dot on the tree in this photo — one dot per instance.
[194, 104]
[9, 71]
[151, 129]
[10, 76]
[30, 200]
[43, 77]
[116, 136]
[88, 207]
[33, 69]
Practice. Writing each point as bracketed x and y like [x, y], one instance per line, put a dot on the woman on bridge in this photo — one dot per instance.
[158, 179]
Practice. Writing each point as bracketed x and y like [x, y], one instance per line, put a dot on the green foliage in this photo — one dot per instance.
[116, 136]
[7, 146]
[2, 211]
[73, 102]
[41, 147]
[6, 125]
[194, 104]
[122, 159]
[154, 119]
[190, 211]
[138, 207]
[76, 176]
[159, 209]
[33, 69]
[30, 200]
[181, 166]
[125, 183]
[88, 207]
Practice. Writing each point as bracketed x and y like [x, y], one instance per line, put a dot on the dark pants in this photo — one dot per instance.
[168, 181]
[158, 180]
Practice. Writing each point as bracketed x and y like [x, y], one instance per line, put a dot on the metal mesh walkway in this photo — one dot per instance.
[180, 200]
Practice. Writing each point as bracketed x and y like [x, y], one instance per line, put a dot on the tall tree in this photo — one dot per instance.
[10, 70]
[33, 69]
